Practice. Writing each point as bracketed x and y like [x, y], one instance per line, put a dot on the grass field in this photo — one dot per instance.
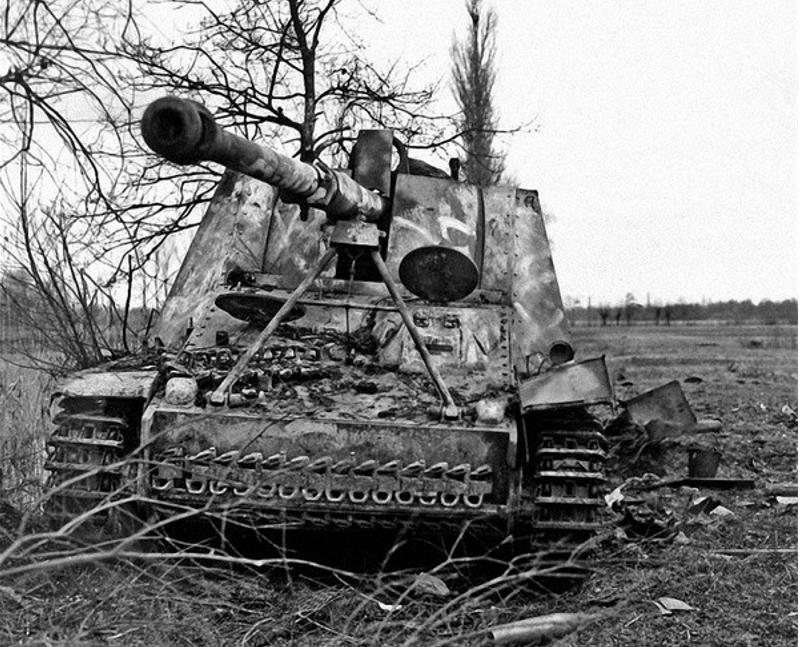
[737, 572]
[24, 397]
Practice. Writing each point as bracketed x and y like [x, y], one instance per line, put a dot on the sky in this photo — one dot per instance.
[666, 144]
[666, 133]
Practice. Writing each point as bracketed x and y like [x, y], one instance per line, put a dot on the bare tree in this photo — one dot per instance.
[66, 117]
[61, 313]
[75, 176]
[630, 307]
[604, 313]
[292, 69]
[473, 75]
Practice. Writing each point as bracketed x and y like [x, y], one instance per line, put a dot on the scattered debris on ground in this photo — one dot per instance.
[547, 627]
[672, 569]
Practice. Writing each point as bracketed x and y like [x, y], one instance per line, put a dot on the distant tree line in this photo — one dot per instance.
[733, 312]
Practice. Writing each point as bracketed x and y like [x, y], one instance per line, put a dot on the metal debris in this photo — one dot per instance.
[547, 627]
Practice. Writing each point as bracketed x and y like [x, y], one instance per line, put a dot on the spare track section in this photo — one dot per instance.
[84, 458]
[301, 480]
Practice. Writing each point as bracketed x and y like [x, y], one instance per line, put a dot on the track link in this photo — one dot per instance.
[84, 458]
[568, 477]
[305, 480]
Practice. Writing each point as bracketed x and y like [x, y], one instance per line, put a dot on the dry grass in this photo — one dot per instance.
[178, 604]
[198, 597]
[64, 591]
[24, 397]
[745, 600]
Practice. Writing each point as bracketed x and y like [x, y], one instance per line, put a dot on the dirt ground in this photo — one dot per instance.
[737, 572]
[748, 380]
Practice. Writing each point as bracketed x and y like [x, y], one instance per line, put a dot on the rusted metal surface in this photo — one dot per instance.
[341, 454]
[538, 317]
[439, 274]
[340, 438]
[431, 211]
[371, 160]
[185, 132]
[666, 402]
[314, 374]
[503, 232]
[85, 451]
[313, 403]
[296, 486]
[255, 306]
[293, 245]
[355, 233]
[495, 270]
[109, 383]
[232, 234]
[571, 384]
[457, 338]
[569, 476]
[449, 408]
[221, 392]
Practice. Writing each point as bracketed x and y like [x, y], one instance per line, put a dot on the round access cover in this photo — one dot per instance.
[255, 307]
[438, 273]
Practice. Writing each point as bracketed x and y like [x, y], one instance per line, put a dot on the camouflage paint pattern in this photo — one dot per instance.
[197, 429]
[538, 318]
[232, 233]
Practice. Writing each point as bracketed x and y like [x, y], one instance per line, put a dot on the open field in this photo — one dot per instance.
[747, 374]
[737, 572]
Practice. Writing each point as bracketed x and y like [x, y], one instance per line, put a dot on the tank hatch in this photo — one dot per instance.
[439, 274]
[257, 308]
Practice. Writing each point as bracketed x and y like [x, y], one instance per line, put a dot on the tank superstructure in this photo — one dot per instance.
[363, 347]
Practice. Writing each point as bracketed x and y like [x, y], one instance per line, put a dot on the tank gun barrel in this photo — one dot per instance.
[184, 132]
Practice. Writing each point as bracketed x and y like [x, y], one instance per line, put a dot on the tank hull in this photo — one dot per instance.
[423, 381]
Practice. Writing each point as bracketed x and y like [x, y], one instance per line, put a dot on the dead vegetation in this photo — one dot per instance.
[24, 397]
[737, 572]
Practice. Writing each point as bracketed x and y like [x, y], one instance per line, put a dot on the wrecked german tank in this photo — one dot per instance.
[359, 348]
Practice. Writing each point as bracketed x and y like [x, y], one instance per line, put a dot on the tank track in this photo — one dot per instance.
[569, 454]
[85, 458]
[86, 461]
[569, 480]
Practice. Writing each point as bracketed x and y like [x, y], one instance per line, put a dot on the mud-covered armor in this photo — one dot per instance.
[363, 347]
